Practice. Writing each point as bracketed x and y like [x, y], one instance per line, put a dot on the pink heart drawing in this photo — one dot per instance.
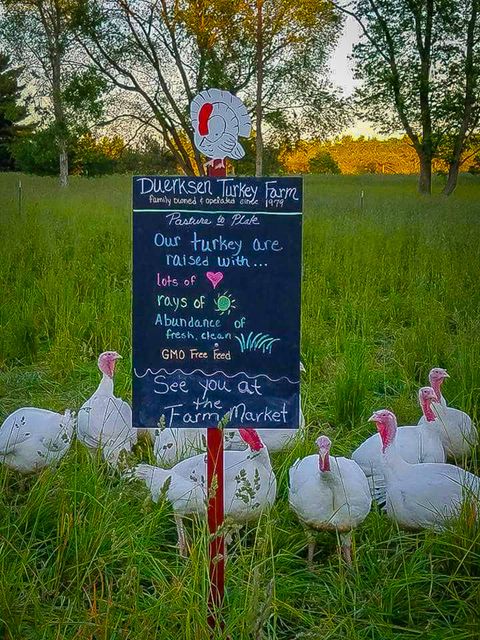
[215, 277]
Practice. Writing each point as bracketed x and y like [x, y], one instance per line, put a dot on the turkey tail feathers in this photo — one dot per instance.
[378, 490]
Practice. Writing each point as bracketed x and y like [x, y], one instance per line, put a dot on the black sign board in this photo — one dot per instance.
[216, 301]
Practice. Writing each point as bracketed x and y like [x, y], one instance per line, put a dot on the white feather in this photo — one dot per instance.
[249, 484]
[32, 438]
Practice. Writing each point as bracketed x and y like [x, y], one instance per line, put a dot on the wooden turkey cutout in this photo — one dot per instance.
[219, 118]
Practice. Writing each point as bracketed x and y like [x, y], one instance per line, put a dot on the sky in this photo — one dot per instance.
[342, 71]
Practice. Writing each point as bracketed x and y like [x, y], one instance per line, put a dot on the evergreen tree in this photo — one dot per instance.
[12, 112]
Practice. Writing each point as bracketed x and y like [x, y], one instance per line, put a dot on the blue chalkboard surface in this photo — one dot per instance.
[216, 301]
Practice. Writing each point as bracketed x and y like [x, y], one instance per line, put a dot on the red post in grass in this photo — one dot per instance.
[215, 492]
[215, 521]
[217, 168]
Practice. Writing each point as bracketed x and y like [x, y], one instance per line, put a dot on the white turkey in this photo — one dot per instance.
[420, 443]
[31, 438]
[436, 377]
[249, 484]
[218, 119]
[105, 422]
[421, 495]
[457, 431]
[329, 494]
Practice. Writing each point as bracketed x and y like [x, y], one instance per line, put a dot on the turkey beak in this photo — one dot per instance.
[445, 374]
[118, 356]
[373, 417]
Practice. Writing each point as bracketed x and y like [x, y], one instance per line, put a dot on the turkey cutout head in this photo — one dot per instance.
[219, 118]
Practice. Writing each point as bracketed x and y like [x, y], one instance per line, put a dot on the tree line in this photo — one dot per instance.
[133, 66]
[354, 156]
[96, 156]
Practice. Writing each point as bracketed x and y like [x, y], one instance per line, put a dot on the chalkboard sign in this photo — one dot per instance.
[216, 301]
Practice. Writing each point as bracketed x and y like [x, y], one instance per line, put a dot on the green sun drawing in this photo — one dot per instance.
[225, 303]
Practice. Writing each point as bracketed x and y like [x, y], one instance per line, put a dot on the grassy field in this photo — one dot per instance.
[389, 291]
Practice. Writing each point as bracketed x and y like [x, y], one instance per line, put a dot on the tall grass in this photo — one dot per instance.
[389, 291]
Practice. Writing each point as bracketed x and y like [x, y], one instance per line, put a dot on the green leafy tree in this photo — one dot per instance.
[292, 41]
[162, 53]
[96, 157]
[149, 156]
[418, 66]
[87, 155]
[463, 97]
[12, 111]
[472, 155]
[67, 93]
[38, 153]
[323, 162]
[270, 158]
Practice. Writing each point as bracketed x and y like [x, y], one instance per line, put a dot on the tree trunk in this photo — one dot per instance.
[451, 183]
[259, 96]
[468, 103]
[58, 111]
[63, 163]
[424, 46]
[425, 178]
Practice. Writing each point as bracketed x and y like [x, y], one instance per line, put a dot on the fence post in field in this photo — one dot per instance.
[19, 194]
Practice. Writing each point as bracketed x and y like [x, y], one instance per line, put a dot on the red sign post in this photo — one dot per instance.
[215, 521]
[209, 110]
[216, 547]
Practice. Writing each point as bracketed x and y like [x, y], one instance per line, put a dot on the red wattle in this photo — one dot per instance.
[106, 364]
[385, 435]
[436, 386]
[251, 437]
[203, 116]
[428, 411]
[324, 463]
